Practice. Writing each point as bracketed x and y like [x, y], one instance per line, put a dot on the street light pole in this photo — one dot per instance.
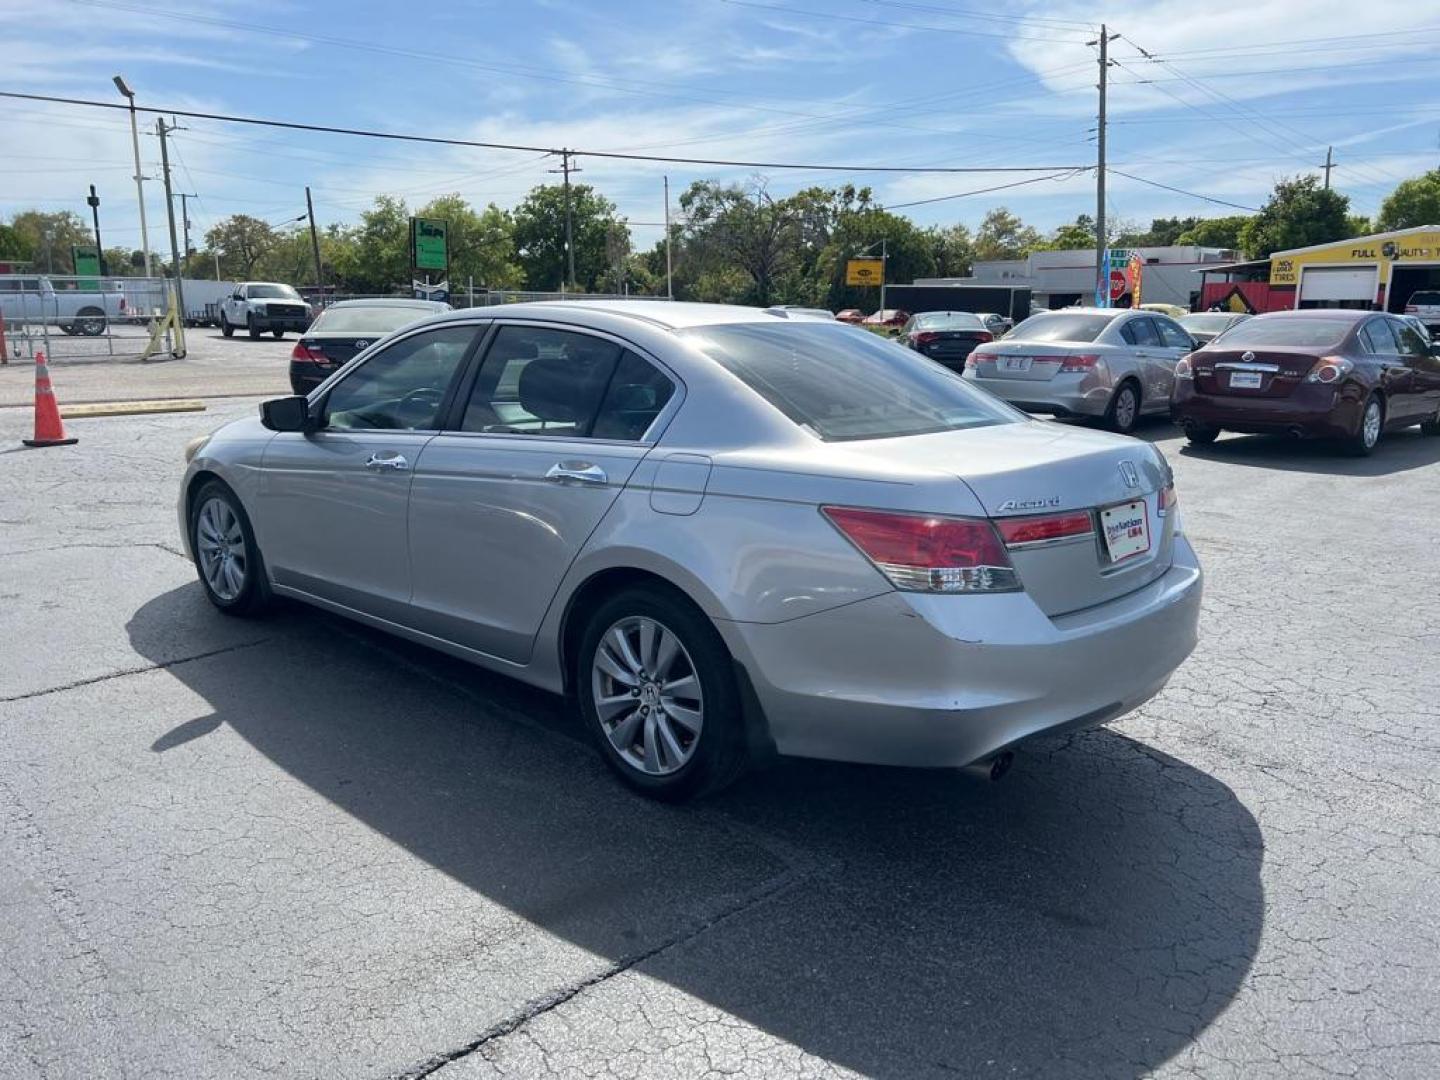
[94, 201]
[129, 96]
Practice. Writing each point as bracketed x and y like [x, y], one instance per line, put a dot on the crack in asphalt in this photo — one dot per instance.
[538, 1007]
[123, 672]
[95, 547]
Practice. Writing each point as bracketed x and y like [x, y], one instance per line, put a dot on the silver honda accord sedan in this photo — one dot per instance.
[724, 532]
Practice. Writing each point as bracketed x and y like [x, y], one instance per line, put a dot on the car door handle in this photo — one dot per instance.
[580, 472]
[393, 462]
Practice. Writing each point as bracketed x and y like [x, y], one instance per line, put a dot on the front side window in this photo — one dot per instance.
[539, 381]
[839, 383]
[400, 387]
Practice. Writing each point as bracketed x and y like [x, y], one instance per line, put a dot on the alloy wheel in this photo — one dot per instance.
[220, 542]
[1125, 409]
[647, 695]
[1371, 432]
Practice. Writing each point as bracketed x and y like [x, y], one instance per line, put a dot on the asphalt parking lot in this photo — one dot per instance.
[295, 847]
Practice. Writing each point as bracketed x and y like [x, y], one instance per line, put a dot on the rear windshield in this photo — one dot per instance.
[949, 320]
[1300, 333]
[1206, 323]
[367, 320]
[273, 292]
[1062, 326]
[1429, 299]
[840, 383]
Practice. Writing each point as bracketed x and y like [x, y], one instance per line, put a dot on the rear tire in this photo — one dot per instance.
[227, 558]
[225, 327]
[1123, 412]
[90, 322]
[1367, 433]
[1431, 426]
[1201, 434]
[278, 334]
[671, 733]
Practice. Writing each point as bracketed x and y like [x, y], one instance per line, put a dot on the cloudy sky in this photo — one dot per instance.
[1218, 100]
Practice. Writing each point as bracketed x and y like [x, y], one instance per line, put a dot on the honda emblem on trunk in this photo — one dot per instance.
[361, 343]
[1130, 473]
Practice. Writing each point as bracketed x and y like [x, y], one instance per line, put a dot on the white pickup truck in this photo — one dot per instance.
[257, 306]
[34, 299]
[1425, 306]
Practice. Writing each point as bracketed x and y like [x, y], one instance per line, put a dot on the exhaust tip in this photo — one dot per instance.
[992, 769]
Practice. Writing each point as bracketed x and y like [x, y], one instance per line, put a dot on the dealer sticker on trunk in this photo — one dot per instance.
[1126, 529]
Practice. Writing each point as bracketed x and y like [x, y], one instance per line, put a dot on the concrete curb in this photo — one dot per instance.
[131, 408]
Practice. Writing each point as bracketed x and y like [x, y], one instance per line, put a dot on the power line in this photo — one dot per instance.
[973, 13]
[1182, 191]
[1063, 175]
[607, 154]
[830, 15]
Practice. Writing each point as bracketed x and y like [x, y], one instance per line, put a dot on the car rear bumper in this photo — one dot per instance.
[944, 681]
[303, 380]
[1063, 395]
[1311, 409]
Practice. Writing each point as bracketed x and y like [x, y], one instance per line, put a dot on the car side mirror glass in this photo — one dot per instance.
[286, 414]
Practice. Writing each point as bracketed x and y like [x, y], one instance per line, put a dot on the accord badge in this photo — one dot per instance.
[1011, 505]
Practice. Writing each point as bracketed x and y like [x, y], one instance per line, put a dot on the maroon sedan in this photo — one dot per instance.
[1347, 375]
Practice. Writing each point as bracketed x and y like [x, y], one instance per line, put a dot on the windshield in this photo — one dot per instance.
[839, 383]
[367, 320]
[1207, 323]
[1062, 326]
[273, 292]
[1299, 333]
[948, 320]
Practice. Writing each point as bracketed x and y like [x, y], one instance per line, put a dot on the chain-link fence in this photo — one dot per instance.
[82, 318]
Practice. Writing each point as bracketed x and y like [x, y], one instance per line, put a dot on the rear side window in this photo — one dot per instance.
[1062, 326]
[1140, 332]
[1407, 338]
[637, 393]
[1376, 338]
[840, 383]
[539, 381]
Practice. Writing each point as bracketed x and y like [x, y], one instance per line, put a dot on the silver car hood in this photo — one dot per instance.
[1033, 466]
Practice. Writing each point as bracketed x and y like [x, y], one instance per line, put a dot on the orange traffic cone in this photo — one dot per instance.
[49, 431]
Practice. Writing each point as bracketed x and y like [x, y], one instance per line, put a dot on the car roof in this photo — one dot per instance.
[665, 314]
[391, 301]
[1338, 314]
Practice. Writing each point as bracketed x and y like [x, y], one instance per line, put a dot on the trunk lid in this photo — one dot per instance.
[1037, 468]
[337, 349]
[1263, 373]
[949, 345]
[1029, 361]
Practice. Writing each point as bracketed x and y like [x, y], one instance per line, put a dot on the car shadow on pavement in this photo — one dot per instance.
[1090, 915]
[1399, 451]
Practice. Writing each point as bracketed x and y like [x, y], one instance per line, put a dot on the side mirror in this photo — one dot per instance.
[286, 414]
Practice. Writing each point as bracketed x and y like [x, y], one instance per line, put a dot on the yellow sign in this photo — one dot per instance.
[864, 271]
[1383, 250]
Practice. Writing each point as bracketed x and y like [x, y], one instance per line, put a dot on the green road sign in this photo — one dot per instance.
[86, 258]
[428, 244]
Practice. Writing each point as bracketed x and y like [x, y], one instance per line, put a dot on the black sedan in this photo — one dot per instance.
[346, 328]
[946, 336]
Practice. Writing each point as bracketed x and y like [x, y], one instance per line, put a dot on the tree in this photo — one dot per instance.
[952, 249]
[1218, 232]
[1298, 213]
[539, 229]
[242, 241]
[374, 256]
[740, 240]
[1002, 235]
[14, 246]
[1414, 202]
[482, 243]
[49, 237]
[1078, 235]
[1163, 232]
[909, 251]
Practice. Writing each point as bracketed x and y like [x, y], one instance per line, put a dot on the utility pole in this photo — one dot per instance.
[669, 279]
[94, 201]
[162, 131]
[1102, 271]
[884, 270]
[185, 197]
[314, 241]
[567, 169]
[1329, 164]
[129, 96]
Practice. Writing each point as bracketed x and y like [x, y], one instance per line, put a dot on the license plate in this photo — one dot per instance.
[1126, 530]
[1245, 380]
[1014, 363]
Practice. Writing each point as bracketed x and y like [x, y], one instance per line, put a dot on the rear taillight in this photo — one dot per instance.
[984, 335]
[1411, 309]
[1329, 369]
[1168, 499]
[924, 337]
[1080, 362]
[1018, 532]
[1183, 370]
[301, 354]
[926, 553]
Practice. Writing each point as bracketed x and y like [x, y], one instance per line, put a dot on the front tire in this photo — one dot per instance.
[1431, 426]
[251, 329]
[1367, 434]
[1124, 410]
[226, 555]
[658, 694]
[225, 327]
